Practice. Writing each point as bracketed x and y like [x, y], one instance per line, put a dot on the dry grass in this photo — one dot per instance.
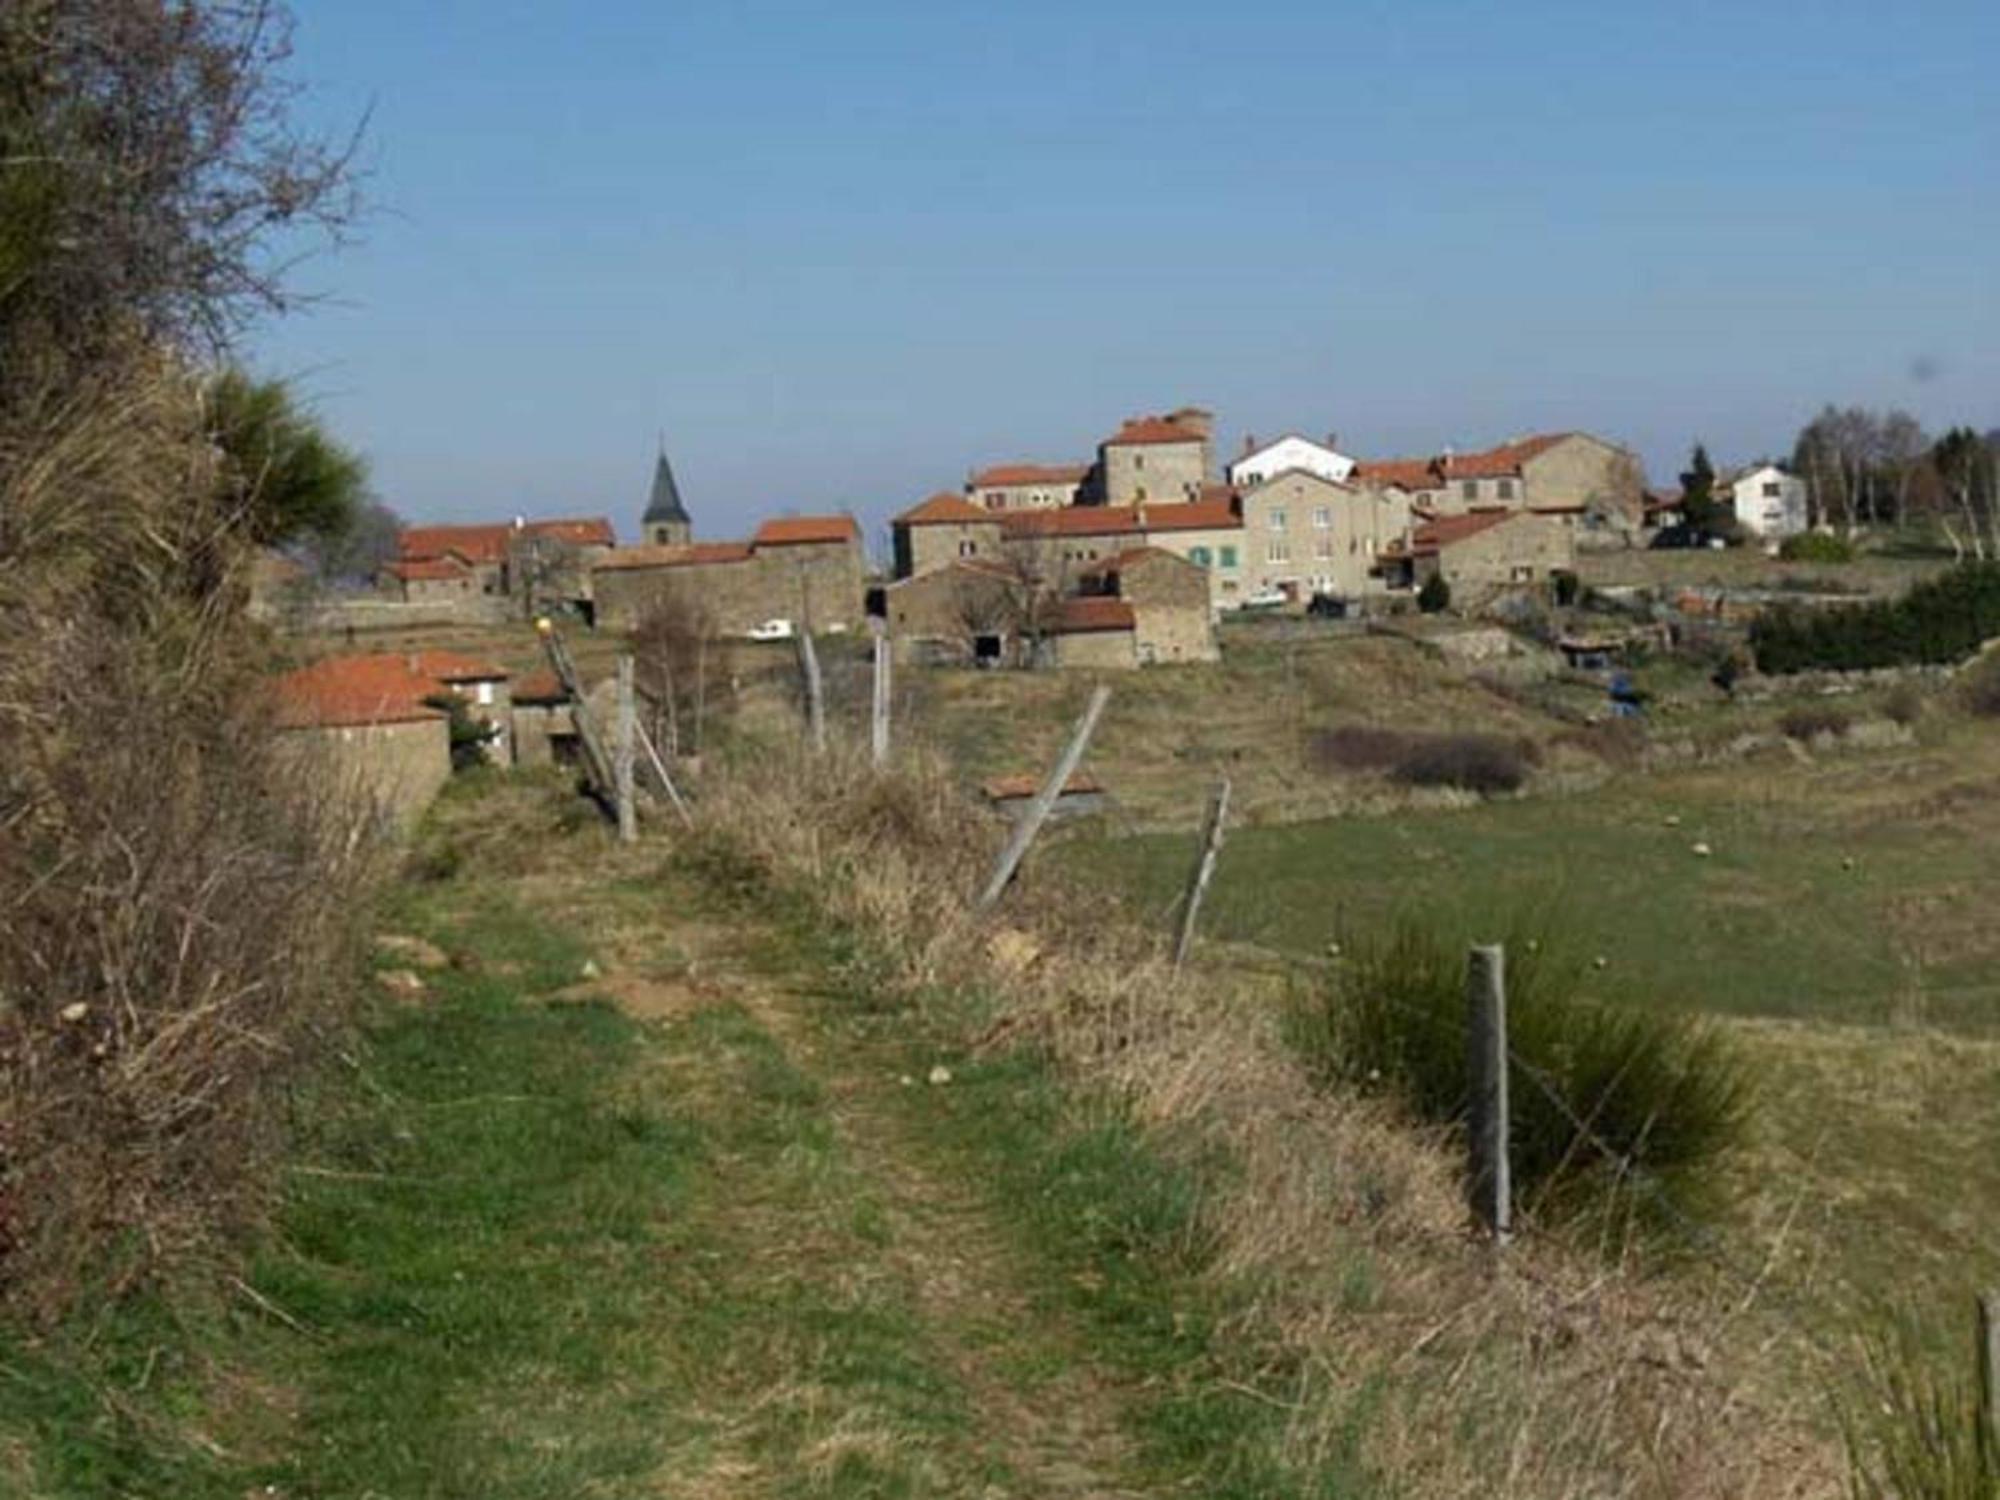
[175, 909]
[1337, 1224]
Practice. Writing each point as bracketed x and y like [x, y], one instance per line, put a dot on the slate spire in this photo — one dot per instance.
[664, 506]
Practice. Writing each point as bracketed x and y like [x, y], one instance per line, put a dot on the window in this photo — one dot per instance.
[1522, 574]
[1199, 556]
[1229, 557]
[1139, 493]
[483, 693]
[1770, 489]
[968, 548]
[1277, 520]
[1279, 551]
[1323, 547]
[1506, 489]
[1322, 518]
[1138, 460]
[1469, 489]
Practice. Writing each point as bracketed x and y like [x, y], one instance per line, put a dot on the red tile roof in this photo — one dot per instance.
[789, 531]
[352, 691]
[540, 687]
[1122, 520]
[685, 555]
[450, 666]
[1009, 476]
[1502, 462]
[1005, 788]
[1095, 612]
[1141, 430]
[487, 542]
[1130, 557]
[428, 569]
[946, 508]
[1446, 531]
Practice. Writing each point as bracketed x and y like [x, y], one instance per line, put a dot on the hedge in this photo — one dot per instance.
[1944, 619]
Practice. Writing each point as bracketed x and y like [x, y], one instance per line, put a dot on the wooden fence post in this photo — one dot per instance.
[878, 737]
[1037, 811]
[1204, 869]
[666, 781]
[1486, 1068]
[623, 751]
[1989, 1380]
[815, 699]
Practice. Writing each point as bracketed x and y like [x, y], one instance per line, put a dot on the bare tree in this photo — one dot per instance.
[674, 644]
[1965, 466]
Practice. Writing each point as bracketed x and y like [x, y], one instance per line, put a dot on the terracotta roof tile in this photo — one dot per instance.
[946, 508]
[429, 569]
[789, 531]
[1005, 788]
[1142, 430]
[1009, 476]
[686, 555]
[487, 542]
[1094, 612]
[1446, 531]
[355, 691]
[1502, 462]
[540, 687]
[1122, 520]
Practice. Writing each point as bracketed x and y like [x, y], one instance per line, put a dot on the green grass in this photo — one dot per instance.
[1771, 923]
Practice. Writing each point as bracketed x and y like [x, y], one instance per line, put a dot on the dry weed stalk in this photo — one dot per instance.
[1562, 1376]
[177, 904]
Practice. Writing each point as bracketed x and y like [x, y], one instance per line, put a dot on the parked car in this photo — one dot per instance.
[772, 630]
[1684, 538]
[1267, 599]
[1327, 607]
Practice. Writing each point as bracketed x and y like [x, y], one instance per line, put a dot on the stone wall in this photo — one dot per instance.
[1585, 471]
[1524, 549]
[920, 548]
[1328, 535]
[1174, 632]
[1158, 472]
[1094, 650]
[789, 582]
[398, 768]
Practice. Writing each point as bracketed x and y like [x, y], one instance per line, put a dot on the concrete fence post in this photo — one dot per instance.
[1490, 1185]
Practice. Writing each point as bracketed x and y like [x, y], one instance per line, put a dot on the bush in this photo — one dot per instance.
[1806, 720]
[1435, 596]
[1943, 619]
[1667, 1094]
[1484, 763]
[1904, 704]
[1913, 1426]
[1816, 547]
[1358, 747]
[1979, 689]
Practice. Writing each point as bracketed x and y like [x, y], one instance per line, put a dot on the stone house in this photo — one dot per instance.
[971, 610]
[1483, 551]
[795, 568]
[1027, 486]
[430, 580]
[1093, 633]
[360, 727]
[1155, 460]
[544, 733]
[1172, 618]
[1059, 544]
[551, 559]
[1305, 535]
[1547, 471]
[943, 529]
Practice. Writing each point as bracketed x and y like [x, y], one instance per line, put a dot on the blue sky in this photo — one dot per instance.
[841, 254]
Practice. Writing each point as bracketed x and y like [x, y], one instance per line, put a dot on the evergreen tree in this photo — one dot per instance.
[1698, 502]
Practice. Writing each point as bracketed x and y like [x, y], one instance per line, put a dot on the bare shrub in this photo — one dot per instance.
[1979, 688]
[1904, 704]
[677, 660]
[1483, 763]
[1358, 747]
[1806, 721]
[177, 913]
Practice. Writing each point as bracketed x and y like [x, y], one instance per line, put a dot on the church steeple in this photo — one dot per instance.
[666, 520]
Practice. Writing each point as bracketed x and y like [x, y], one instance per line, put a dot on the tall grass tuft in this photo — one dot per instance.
[1610, 1102]
[1914, 1426]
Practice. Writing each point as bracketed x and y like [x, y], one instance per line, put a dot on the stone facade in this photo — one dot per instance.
[1027, 486]
[1173, 619]
[1304, 534]
[954, 606]
[1486, 551]
[741, 585]
[944, 529]
[1549, 471]
[1061, 544]
[1154, 460]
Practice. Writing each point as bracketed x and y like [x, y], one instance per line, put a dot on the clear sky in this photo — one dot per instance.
[840, 253]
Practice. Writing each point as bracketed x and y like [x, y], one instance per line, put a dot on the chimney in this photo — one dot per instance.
[1333, 441]
[1249, 443]
[520, 523]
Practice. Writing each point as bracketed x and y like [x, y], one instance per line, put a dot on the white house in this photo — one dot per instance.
[1288, 453]
[1770, 502]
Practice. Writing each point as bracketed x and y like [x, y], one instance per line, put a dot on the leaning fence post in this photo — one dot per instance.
[623, 752]
[1204, 869]
[596, 762]
[1038, 810]
[815, 701]
[878, 736]
[1486, 1070]
[1989, 1380]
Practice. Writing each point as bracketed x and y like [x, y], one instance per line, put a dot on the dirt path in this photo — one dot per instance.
[1040, 1417]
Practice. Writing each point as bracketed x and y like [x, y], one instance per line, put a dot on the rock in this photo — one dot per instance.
[405, 984]
[1700, 850]
[590, 969]
[74, 1012]
[1673, 820]
[1847, 863]
[1600, 962]
[940, 1075]
[413, 951]
[907, 1081]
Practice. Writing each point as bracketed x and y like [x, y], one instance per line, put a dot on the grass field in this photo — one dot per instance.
[1841, 925]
